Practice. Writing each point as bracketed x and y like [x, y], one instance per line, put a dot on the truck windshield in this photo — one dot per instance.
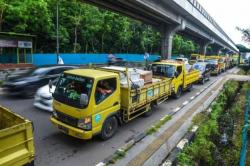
[199, 67]
[193, 58]
[212, 61]
[221, 60]
[163, 70]
[70, 87]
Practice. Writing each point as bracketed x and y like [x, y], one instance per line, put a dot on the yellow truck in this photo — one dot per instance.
[195, 57]
[89, 102]
[182, 76]
[16, 139]
[235, 60]
[221, 61]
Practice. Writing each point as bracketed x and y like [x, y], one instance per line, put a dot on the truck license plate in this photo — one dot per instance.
[64, 129]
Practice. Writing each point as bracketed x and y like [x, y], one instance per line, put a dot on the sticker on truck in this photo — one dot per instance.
[150, 93]
[97, 118]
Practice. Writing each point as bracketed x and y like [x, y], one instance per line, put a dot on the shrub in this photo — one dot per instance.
[206, 150]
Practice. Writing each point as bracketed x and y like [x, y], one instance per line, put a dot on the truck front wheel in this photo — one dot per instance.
[178, 93]
[32, 163]
[190, 87]
[109, 128]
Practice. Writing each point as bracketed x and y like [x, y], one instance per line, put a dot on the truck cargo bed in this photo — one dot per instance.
[16, 139]
[8, 119]
[191, 78]
[135, 101]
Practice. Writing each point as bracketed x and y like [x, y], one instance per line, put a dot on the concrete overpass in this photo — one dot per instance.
[186, 17]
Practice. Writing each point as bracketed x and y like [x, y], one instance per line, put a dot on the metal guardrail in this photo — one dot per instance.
[198, 6]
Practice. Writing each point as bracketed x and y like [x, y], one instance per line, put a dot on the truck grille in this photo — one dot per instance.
[67, 119]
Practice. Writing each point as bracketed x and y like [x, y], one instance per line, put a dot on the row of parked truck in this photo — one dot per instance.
[95, 101]
[91, 117]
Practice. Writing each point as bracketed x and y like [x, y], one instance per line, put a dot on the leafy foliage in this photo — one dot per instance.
[245, 34]
[83, 28]
[206, 149]
[242, 48]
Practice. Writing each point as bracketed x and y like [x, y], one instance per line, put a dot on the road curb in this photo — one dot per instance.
[189, 136]
[132, 141]
[162, 152]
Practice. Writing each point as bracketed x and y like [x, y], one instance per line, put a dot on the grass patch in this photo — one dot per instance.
[244, 70]
[226, 118]
[158, 125]
[199, 118]
[119, 154]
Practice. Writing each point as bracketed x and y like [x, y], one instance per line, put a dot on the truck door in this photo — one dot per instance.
[178, 80]
[107, 101]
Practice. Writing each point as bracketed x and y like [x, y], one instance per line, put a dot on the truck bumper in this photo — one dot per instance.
[72, 131]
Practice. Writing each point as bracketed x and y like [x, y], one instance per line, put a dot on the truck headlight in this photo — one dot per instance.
[85, 123]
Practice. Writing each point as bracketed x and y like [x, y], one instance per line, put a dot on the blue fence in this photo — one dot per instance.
[49, 59]
[70, 58]
[244, 132]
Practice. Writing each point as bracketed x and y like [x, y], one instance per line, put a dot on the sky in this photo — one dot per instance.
[229, 14]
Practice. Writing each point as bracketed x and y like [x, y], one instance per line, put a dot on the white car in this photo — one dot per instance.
[185, 60]
[43, 98]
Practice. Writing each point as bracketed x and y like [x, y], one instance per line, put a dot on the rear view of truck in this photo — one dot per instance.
[16, 139]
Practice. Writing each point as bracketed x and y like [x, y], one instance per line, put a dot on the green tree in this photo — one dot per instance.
[83, 28]
[245, 33]
[242, 48]
[3, 6]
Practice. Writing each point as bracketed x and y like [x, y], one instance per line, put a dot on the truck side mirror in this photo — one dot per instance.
[84, 99]
[50, 85]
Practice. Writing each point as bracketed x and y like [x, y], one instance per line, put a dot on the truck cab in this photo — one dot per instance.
[195, 57]
[83, 100]
[181, 75]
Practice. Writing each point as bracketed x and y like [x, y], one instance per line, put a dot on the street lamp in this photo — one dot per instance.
[57, 31]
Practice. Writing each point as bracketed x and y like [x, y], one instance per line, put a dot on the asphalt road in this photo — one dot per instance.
[54, 148]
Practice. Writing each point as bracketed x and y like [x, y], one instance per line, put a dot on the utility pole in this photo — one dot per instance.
[57, 31]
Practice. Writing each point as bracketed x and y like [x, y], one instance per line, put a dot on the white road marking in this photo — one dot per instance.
[177, 109]
[195, 128]
[100, 164]
[185, 103]
[182, 143]
[192, 97]
[167, 163]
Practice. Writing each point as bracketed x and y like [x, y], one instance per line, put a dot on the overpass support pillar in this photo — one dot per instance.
[217, 50]
[168, 33]
[203, 46]
[167, 41]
